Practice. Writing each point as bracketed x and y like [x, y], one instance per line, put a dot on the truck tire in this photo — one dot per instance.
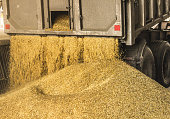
[161, 51]
[147, 63]
[3, 86]
[4, 64]
[141, 57]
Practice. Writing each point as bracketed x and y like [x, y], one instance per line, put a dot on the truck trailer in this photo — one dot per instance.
[140, 25]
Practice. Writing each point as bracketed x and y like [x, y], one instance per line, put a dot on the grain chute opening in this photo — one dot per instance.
[60, 21]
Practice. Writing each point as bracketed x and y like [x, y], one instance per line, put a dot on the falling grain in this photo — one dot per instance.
[32, 57]
[26, 57]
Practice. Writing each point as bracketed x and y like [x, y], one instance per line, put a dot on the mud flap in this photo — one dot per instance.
[4, 67]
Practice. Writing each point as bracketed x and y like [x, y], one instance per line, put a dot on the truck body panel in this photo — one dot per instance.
[124, 19]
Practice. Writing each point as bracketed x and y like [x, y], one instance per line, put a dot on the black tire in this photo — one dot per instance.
[161, 51]
[168, 37]
[4, 68]
[147, 65]
[141, 57]
[3, 86]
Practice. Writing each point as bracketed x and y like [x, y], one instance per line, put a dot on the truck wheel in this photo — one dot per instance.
[147, 63]
[161, 51]
[141, 57]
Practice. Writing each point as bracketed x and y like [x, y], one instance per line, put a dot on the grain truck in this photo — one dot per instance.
[140, 26]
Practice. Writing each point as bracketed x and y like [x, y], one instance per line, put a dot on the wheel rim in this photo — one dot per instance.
[148, 65]
[166, 67]
[147, 68]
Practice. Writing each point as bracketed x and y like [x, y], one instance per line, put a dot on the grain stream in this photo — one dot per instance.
[32, 57]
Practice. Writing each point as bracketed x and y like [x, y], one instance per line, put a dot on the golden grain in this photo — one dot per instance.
[94, 90]
[32, 57]
[61, 23]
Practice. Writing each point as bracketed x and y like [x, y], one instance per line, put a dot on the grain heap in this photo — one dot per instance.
[94, 90]
[33, 56]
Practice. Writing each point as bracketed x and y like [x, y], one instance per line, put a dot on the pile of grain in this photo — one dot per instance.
[94, 90]
[32, 57]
